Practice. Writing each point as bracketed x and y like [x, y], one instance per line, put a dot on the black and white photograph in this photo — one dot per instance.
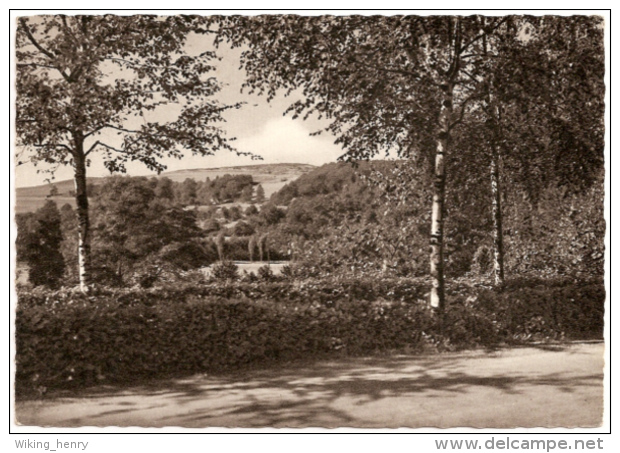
[310, 220]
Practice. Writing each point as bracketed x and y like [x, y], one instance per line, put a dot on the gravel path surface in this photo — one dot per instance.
[548, 386]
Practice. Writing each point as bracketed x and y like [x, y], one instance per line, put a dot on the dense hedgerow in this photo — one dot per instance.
[71, 339]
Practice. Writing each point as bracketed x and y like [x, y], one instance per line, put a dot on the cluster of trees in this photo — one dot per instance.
[135, 235]
[521, 95]
[475, 105]
[141, 232]
[38, 244]
[227, 189]
[375, 218]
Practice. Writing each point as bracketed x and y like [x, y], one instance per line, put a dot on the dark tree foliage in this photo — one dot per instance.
[227, 189]
[243, 229]
[271, 214]
[132, 224]
[260, 194]
[39, 239]
[251, 210]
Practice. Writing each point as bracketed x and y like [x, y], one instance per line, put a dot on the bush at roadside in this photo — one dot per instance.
[66, 338]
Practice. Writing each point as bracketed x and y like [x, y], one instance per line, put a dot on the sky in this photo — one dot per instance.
[258, 127]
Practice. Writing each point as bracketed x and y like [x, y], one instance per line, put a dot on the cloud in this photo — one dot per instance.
[284, 140]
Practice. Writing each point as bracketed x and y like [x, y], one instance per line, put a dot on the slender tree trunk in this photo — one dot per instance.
[498, 235]
[496, 193]
[81, 200]
[262, 246]
[119, 272]
[251, 246]
[437, 298]
[219, 244]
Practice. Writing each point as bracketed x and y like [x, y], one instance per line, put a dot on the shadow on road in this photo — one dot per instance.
[346, 392]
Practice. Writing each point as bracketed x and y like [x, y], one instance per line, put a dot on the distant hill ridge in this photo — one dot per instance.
[243, 167]
[271, 176]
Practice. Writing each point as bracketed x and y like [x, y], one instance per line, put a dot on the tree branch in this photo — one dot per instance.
[35, 65]
[67, 28]
[55, 145]
[111, 126]
[474, 96]
[488, 32]
[105, 145]
[94, 131]
[470, 75]
[44, 51]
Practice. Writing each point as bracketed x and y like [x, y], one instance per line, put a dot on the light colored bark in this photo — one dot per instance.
[498, 235]
[81, 199]
[262, 246]
[219, 244]
[251, 247]
[437, 296]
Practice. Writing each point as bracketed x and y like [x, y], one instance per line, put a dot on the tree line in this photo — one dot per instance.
[141, 235]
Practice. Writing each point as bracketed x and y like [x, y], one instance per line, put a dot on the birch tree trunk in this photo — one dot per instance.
[251, 247]
[81, 200]
[437, 298]
[498, 235]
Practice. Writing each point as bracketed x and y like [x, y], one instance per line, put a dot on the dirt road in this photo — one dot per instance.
[523, 387]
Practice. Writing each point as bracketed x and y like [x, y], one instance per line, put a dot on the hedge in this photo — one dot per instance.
[273, 288]
[70, 339]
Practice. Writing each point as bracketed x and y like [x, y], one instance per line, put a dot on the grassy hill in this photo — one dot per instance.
[271, 176]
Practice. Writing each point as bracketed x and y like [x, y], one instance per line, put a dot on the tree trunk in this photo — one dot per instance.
[498, 235]
[81, 200]
[437, 298]
[251, 246]
[219, 244]
[262, 246]
[496, 194]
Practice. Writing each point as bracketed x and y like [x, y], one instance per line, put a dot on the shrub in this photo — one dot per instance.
[548, 311]
[265, 273]
[225, 270]
[482, 262]
[138, 334]
[251, 210]
[237, 248]
[243, 229]
[67, 338]
[187, 255]
[248, 277]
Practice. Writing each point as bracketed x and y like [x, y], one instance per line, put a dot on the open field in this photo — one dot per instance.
[276, 266]
[31, 204]
[271, 176]
[546, 386]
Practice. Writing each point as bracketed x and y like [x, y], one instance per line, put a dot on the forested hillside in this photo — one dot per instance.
[362, 217]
